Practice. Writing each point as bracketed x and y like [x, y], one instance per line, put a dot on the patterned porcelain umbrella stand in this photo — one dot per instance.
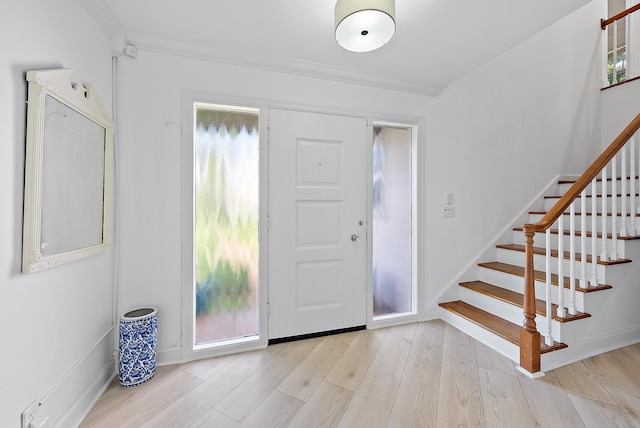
[138, 337]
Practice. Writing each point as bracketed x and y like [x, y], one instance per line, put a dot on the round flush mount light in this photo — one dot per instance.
[364, 25]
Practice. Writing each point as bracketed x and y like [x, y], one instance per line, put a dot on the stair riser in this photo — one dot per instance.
[516, 283]
[562, 188]
[493, 341]
[512, 313]
[550, 202]
[518, 258]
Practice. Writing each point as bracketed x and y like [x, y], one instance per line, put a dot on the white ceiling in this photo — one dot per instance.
[436, 41]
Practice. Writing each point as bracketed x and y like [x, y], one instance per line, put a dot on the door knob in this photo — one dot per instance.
[355, 237]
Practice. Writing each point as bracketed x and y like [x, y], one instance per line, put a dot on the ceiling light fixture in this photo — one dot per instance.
[364, 25]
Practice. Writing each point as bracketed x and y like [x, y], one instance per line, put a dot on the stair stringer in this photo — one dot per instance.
[470, 271]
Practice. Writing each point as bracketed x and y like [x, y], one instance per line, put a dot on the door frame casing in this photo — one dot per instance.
[189, 97]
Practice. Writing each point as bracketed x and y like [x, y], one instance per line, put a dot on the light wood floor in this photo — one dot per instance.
[418, 375]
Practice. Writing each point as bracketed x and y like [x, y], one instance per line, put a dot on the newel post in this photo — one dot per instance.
[529, 335]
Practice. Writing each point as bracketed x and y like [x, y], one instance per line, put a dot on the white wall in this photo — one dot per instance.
[150, 94]
[51, 322]
[494, 139]
[497, 136]
[620, 104]
[486, 138]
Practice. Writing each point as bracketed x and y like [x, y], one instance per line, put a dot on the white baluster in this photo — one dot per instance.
[572, 259]
[632, 177]
[636, 138]
[623, 194]
[637, 144]
[594, 234]
[548, 339]
[614, 209]
[604, 255]
[583, 239]
[561, 311]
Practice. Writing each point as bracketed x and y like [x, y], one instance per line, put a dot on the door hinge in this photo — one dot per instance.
[268, 222]
[268, 135]
[268, 310]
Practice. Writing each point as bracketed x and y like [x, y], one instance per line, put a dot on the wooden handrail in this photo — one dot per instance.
[529, 336]
[585, 179]
[605, 22]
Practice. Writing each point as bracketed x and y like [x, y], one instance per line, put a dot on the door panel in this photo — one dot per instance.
[317, 202]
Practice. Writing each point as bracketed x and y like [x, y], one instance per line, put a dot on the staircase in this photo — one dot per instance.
[490, 308]
[531, 287]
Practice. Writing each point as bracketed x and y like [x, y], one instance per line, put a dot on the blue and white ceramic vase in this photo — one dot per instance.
[138, 338]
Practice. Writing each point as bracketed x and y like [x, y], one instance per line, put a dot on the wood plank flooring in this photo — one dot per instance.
[427, 374]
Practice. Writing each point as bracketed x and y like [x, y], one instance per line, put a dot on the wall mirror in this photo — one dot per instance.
[67, 201]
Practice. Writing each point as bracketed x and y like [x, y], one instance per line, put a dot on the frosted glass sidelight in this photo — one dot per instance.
[392, 211]
[226, 179]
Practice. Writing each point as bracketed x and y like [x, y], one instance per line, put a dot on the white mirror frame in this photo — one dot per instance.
[68, 171]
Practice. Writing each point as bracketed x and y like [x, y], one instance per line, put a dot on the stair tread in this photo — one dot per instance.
[578, 233]
[554, 254]
[496, 325]
[517, 299]
[540, 276]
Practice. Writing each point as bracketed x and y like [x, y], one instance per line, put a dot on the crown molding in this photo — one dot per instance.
[114, 30]
[280, 64]
[101, 13]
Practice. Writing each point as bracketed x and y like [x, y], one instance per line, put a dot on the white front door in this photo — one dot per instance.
[317, 222]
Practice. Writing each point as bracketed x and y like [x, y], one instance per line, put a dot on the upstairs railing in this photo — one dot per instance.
[589, 240]
[623, 52]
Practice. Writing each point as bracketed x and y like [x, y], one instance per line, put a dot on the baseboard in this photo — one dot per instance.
[590, 348]
[169, 355]
[85, 401]
[69, 400]
[90, 396]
